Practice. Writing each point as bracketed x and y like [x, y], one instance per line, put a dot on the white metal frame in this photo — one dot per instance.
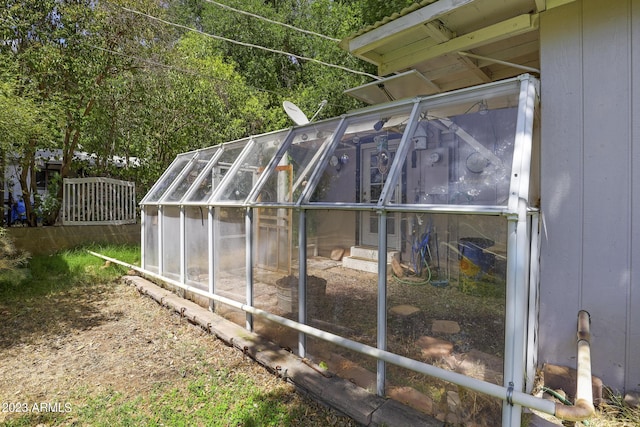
[522, 242]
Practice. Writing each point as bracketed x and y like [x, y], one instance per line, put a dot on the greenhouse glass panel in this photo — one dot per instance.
[230, 253]
[274, 232]
[339, 299]
[187, 179]
[446, 292]
[170, 237]
[368, 138]
[229, 260]
[276, 271]
[214, 171]
[150, 243]
[247, 169]
[197, 245]
[168, 178]
[444, 400]
[286, 181]
[359, 369]
[461, 152]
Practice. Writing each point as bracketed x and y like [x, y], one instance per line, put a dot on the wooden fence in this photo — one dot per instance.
[98, 201]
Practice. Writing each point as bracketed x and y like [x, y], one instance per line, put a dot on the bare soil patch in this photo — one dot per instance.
[77, 344]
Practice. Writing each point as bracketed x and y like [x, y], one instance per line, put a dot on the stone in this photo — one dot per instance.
[477, 364]
[632, 399]
[434, 348]
[411, 397]
[404, 310]
[353, 372]
[394, 413]
[337, 254]
[445, 327]
[397, 268]
[565, 378]
[453, 400]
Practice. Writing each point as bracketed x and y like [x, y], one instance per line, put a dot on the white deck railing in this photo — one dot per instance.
[98, 201]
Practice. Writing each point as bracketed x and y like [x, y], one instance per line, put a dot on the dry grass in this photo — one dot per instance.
[101, 354]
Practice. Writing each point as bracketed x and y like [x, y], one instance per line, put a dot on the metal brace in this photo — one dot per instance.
[510, 393]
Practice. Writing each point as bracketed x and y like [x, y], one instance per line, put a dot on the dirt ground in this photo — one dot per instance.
[64, 348]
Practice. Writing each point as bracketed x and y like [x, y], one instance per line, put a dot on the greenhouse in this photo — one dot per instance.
[395, 245]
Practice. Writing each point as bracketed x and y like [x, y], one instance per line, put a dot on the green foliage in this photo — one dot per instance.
[86, 75]
[46, 274]
[48, 204]
[11, 260]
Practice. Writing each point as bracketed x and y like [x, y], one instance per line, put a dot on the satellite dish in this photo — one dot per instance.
[295, 113]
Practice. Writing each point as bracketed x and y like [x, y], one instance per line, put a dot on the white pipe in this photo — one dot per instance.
[583, 408]
[500, 392]
[498, 61]
[381, 370]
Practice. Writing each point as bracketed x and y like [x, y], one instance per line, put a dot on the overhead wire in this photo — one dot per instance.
[251, 45]
[253, 15]
[174, 68]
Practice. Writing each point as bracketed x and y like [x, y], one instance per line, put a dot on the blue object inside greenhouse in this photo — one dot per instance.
[474, 260]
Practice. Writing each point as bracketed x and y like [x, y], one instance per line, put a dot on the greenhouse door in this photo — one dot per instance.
[375, 171]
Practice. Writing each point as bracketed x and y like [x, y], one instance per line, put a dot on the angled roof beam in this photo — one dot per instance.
[440, 33]
[415, 53]
[373, 39]
[475, 69]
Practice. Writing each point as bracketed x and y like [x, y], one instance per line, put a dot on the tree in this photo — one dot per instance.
[287, 76]
[116, 78]
[60, 48]
[192, 100]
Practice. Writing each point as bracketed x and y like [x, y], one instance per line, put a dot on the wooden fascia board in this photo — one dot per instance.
[415, 53]
[542, 5]
[557, 3]
[383, 34]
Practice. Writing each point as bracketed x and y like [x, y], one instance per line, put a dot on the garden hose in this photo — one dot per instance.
[562, 399]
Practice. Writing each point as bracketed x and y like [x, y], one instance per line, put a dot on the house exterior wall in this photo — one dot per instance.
[590, 186]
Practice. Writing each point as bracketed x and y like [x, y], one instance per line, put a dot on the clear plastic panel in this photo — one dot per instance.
[449, 403]
[340, 299]
[230, 253]
[197, 246]
[168, 178]
[229, 259]
[359, 369]
[151, 248]
[446, 302]
[211, 177]
[286, 183]
[461, 153]
[276, 272]
[170, 242]
[187, 179]
[377, 132]
[238, 187]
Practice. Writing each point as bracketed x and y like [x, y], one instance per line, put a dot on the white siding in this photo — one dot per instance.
[587, 186]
